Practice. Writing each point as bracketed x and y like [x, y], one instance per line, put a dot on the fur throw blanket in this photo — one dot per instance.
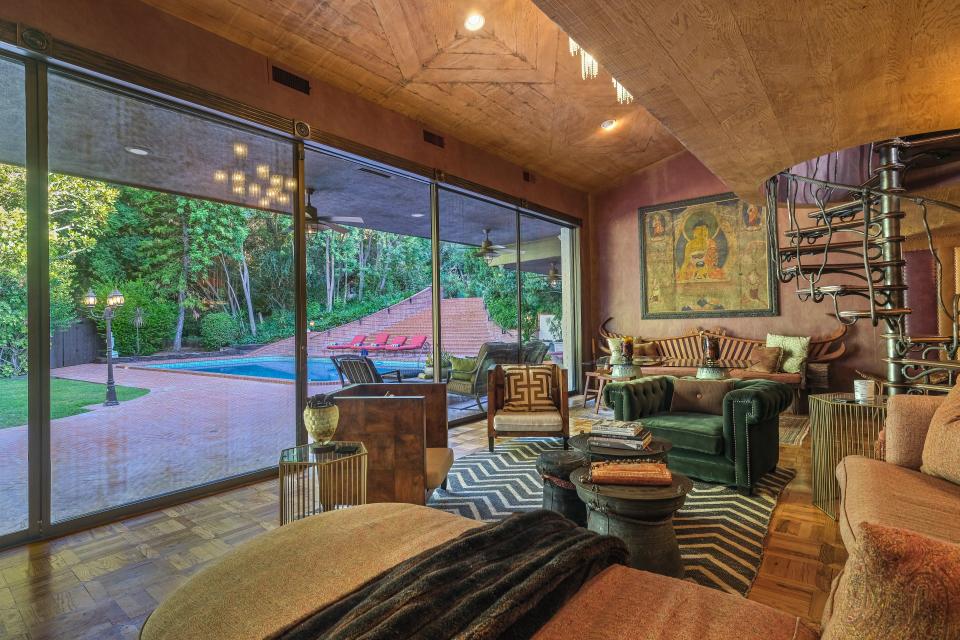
[504, 580]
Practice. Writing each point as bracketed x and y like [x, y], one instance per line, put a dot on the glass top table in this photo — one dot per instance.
[319, 478]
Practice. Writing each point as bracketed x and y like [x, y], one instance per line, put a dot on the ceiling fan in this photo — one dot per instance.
[487, 250]
[317, 222]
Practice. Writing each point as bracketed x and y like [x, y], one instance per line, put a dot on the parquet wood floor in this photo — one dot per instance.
[101, 584]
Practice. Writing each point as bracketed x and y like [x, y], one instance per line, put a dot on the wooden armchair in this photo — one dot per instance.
[405, 434]
[502, 423]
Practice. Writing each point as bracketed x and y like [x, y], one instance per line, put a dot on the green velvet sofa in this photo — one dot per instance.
[734, 449]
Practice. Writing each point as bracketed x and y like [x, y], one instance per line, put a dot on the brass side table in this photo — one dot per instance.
[314, 480]
[840, 427]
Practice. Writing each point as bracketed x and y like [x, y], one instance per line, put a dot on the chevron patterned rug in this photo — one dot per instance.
[721, 532]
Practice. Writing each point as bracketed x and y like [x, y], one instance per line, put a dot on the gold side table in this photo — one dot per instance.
[317, 479]
[840, 427]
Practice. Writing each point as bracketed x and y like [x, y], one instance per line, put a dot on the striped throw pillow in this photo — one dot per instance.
[528, 388]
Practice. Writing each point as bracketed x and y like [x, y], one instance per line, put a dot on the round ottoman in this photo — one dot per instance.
[559, 494]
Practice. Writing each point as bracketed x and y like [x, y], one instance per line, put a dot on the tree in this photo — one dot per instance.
[78, 212]
[183, 240]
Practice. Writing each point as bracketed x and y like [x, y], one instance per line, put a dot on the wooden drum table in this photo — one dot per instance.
[840, 427]
[640, 516]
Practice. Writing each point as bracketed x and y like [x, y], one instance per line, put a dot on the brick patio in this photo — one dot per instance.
[190, 429]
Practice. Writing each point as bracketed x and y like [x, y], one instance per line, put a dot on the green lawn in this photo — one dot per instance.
[67, 398]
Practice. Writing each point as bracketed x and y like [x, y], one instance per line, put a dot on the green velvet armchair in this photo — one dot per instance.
[734, 449]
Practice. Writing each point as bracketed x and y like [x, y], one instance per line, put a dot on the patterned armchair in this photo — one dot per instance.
[552, 423]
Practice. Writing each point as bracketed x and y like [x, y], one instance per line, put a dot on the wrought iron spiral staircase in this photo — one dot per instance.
[850, 253]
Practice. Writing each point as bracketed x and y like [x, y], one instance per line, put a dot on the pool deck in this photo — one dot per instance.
[190, 429]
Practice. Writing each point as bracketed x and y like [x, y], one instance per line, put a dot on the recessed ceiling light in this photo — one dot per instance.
[608, 124]
[416, 215]
[474, 22]
[137, 151]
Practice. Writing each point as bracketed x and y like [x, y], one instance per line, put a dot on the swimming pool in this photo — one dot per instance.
[278, 367]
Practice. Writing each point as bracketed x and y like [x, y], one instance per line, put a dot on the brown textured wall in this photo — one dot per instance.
[615, 271]
[141, 35]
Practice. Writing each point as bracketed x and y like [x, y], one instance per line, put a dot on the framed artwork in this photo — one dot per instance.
[707, 258]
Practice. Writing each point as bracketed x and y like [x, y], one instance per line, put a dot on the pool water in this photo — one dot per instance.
[278, 367]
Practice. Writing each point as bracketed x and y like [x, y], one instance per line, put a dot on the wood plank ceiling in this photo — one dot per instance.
[511, 88]
[754, 86]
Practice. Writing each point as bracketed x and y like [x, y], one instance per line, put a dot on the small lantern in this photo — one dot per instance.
[90, 299]
[115, 299]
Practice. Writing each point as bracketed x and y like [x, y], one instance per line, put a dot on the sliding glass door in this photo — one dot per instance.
[14, 511]
[478, 297]
[153, 313]
[368, 270]
[178, 370]
[547, 300]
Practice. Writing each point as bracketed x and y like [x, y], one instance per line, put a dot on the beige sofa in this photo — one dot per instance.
[894, 492]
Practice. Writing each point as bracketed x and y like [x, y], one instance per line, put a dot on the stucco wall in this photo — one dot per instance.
[615, 271]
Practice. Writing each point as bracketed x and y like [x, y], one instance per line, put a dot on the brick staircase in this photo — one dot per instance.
[466, 325]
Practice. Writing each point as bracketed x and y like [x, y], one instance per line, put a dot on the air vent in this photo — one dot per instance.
[374, 172]
[291, 80]
[433, 138]
[529, 177]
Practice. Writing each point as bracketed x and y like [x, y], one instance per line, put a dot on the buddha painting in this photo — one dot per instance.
[706, 257]
[701, 249]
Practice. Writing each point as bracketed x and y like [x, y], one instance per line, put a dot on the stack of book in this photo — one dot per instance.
[620, 435]
[631, 474]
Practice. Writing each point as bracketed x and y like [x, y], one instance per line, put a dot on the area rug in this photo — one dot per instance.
[721, 532]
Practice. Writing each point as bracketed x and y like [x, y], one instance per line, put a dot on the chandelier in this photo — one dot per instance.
[258, 184]
[623, 96]
[589, 68]
[588, 64]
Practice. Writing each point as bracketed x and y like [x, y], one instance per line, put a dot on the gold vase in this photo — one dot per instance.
[321, 422]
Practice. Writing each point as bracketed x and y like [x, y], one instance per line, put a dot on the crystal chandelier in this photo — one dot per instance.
[588, 64]
[623, 96]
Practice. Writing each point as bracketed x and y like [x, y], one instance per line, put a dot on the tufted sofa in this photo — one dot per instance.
[734, 449]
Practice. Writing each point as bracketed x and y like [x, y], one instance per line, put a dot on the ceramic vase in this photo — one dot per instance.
[321, 422]
[616, 350]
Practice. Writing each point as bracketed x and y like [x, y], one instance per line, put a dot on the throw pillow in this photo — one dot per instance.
[700, 396]
[900, 584]
[765, 359]
[646, 349]
[528, 388]
[462, 368]
[794, 351]
[941, 449]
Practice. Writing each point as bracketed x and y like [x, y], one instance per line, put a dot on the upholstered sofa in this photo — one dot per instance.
[265, 586]
[734, 449]
[894, 492]
[681, 355]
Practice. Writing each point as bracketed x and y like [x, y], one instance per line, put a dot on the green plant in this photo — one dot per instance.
[277, 326]
[218, 330]
[157, 317]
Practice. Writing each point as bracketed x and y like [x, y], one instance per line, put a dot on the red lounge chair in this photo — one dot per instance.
[349, 345]
[394, 343]
[416, 342]
[376, 342]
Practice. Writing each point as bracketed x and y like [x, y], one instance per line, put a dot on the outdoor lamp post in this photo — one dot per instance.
[114, 300]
